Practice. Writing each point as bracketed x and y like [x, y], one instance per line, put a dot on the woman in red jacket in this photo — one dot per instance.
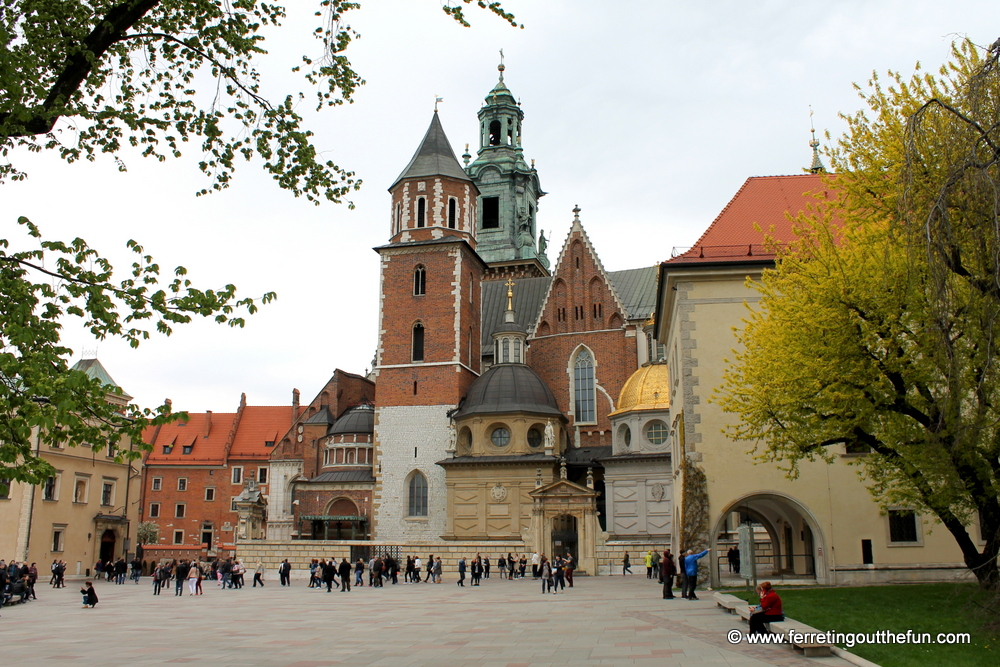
[769, 610]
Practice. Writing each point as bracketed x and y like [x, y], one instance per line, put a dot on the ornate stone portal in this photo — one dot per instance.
[564, 519]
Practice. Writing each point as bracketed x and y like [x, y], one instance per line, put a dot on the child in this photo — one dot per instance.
[89, 595]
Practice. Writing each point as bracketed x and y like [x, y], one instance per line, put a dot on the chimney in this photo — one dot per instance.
[295, 405]
[208, 422]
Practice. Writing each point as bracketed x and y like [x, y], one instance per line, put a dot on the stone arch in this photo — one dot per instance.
[805, 558]
[342, 506]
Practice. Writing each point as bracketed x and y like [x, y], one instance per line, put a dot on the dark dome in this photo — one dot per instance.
[509, 388]
[359, 419]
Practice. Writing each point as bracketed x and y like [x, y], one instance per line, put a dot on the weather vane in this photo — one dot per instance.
[436, 100]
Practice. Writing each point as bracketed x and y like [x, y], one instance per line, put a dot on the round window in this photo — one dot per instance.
[500, 437]
[625, 433]
[656, 432]
[534, 438]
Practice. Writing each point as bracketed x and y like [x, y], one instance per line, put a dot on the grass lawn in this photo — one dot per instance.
[929, 608]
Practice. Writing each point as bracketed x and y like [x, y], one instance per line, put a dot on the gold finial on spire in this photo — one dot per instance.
[510, 293]
[500, 67]
[817, 164]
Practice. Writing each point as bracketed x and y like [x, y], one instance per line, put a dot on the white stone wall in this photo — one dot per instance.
[399, 430]
[279, 507]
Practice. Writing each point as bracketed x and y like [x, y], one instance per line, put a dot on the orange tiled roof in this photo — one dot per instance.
[764, 201]
[210, 450]
[260, 423]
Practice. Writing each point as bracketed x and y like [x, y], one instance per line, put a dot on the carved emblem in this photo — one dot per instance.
[658, 492]
[498, 493]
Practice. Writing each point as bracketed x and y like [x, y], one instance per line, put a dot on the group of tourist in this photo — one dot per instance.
[114, 570]
[555, 574]
[17, 582]
[227, 573]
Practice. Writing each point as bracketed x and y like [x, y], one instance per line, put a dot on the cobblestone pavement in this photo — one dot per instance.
[602, 621]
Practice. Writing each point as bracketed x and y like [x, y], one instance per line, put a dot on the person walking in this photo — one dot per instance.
[667, 572]
[329, 570]
[180, 576]
[691, 570]
[418, 566]
[656, 567]
[194, 574]
[345, 576]
[534, 565]
[461, 572]
[568, 567]
[486, 567]
[683, 574]
[559, 574]
[438, 567]
[284, 572]
[430, 568]
[376, 573]
[258, 575]
[477, 570]
[626, 565]
[545, 572]
[359, 573]
[648, 558]
[32, 580]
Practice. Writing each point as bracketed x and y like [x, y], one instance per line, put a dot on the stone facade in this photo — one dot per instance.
[410, 439]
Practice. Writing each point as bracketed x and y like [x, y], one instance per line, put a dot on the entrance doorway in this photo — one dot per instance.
[564, 536]
[108, 540]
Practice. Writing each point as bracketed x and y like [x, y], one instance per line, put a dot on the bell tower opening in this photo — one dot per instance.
[495, 133]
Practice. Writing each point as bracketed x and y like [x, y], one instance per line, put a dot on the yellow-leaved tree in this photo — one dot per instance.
[879, 327]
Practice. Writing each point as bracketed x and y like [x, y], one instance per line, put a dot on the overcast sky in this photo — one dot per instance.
[649, 115]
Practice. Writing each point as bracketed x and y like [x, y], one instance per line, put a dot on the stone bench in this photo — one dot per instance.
[809, 649]
[728, 602]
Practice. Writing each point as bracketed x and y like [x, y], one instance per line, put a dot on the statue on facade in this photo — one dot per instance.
[550, 435]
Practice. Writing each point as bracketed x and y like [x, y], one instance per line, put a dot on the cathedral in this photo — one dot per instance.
[499, 376]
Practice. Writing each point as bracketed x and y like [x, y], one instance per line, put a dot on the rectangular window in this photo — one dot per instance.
[232, 504]
[154, 510]
[80, 490]
[491, 212]
[110, 450]
[210, 493]
[186, 449]
[262, 475]
[237, 474]
[58, 533]
[182, 484]
[108, 494]
[269, 443]
[903, 526]
[157, 483]
[167, 449]
[179, 511]
[51, 489]
[178, 537]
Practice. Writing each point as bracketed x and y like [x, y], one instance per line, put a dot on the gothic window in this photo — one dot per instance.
[506, 350]
[584, 395]
[495, 133]
[419, 280]
[418, 343]
[491, 212]
[398, 222]
[517, 351]
[418, 495]
[452, 212]
[421, 212]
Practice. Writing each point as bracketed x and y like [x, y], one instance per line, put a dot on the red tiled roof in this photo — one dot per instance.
[260, 424]
[210, 450]
[764, 201]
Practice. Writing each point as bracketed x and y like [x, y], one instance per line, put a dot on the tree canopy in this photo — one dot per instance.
[877, 329]
[85, 78]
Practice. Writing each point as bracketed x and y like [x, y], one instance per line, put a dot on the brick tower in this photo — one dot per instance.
[429, 336]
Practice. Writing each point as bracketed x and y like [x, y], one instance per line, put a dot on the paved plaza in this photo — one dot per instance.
[602, 621]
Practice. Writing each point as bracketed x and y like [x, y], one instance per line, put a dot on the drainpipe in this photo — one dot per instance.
[31, 506]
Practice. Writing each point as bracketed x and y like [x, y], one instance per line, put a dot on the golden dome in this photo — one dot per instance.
[647, 389]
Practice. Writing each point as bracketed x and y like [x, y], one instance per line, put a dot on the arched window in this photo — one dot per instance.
[419, 280]
[506, 350]
[452, 212]
[398, 222]
[418, 342]
[517, 351]
[495, 133]
[417, 505]
[584, 396]
[421, 211]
